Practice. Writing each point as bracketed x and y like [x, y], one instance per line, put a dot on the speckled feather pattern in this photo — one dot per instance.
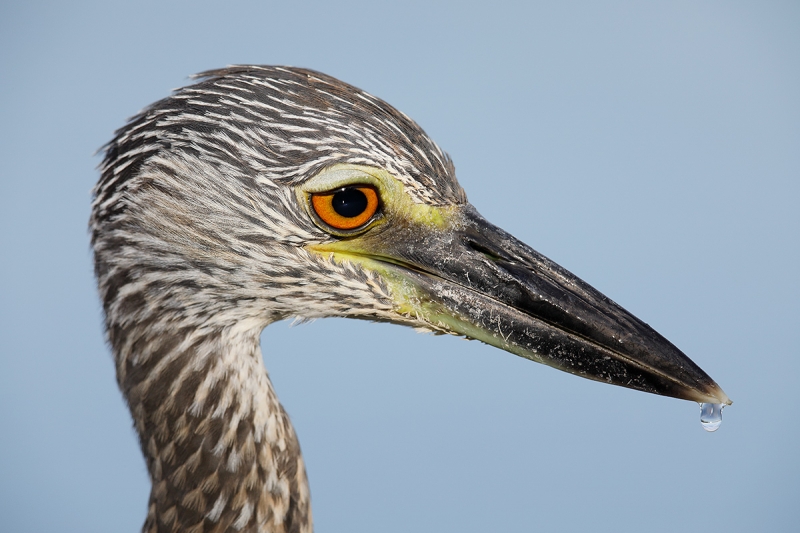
[198, 241]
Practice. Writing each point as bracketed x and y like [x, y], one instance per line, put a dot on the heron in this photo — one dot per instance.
[261, 193]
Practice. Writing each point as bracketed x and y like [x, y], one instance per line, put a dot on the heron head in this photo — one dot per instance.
[261, 193]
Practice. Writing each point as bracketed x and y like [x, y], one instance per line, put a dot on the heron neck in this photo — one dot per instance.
[220, 449]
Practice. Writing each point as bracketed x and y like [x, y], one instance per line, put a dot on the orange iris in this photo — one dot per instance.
[347, 208]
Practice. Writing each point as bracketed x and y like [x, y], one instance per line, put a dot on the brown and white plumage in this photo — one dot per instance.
[202, 237]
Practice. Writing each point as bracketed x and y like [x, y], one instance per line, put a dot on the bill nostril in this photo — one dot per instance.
[489, 254]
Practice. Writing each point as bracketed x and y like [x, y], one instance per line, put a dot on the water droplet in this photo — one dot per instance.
[711, 415]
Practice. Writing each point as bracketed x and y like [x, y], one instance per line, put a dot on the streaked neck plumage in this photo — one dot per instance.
[221, 451]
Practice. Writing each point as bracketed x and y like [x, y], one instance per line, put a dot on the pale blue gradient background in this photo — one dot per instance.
[654, 151]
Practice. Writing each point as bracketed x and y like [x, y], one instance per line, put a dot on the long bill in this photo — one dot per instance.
[476, 280]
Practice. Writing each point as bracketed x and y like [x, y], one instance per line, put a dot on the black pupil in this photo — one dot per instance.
[349, 202]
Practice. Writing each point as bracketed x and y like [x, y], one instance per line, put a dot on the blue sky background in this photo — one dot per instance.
[652, 150]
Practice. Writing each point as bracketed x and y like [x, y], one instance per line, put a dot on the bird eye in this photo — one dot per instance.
[346, 208]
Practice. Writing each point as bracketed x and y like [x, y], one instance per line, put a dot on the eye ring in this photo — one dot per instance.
[348, 208]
